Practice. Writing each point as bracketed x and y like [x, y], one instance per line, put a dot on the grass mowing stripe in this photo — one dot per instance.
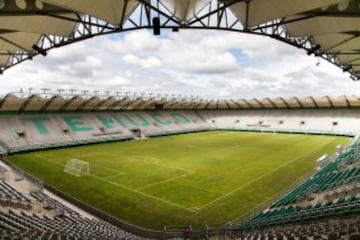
[122, 186]
[264, 175]
[165, 181]
[63, 165]
[142, 193]
[155, 191]
[47, 159]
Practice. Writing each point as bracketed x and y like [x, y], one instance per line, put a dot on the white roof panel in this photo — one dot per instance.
[185, 9]
[108, 10]
[3, 58]
[18, 41]
[261, 11]
[39, 24]
[323, 25]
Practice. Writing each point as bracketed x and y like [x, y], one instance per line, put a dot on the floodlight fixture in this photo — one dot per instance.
[39, 50]
[60, 90]
[72, 91]
[156, 26]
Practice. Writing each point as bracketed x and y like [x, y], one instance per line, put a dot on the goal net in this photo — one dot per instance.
[77, 167]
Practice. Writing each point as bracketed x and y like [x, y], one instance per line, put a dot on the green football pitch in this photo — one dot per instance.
[200, 178]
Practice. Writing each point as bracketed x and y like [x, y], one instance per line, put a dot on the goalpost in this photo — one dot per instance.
[77, 167]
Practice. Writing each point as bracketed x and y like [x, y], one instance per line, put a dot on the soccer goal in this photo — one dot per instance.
[77, 167]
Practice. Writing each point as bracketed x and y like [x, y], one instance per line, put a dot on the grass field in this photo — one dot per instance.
[198, 178]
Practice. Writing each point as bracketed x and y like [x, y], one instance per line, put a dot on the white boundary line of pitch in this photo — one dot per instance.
[194, 209]
[151, 160]
[165, 181]
[125, 187]
[154, 161]
[142, 193]
[262, 176]
[207, 148]
[94, 164]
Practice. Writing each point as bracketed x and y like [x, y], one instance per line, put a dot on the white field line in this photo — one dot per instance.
[207, 148]
[124, 187]
[150, 160]
[165, 181]
[142, 193]
[262, 176]
[110, 169]
[47, 159]
[117, 175]
[94, 164]
[165, 166]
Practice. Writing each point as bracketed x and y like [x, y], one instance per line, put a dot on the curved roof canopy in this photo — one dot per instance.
[326, 28]
[41, 102]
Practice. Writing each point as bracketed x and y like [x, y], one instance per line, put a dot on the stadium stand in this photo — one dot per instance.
[319, 121]
[29, 132]
[332, 193]
[331, 229]
[326, 29]
[26, 214]
[40, 131]
[325, 206]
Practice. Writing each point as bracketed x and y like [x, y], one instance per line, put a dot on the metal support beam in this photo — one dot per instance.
[68, 102]
[285, 102]
[47, 103]
[259, 102]
[347, 102]
[314, 102]
[330, 101]
[26, 103]
[299, 102]
[85, 103]
[272, 102]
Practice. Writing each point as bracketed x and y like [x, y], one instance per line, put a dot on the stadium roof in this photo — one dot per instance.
[21, 102]
[326, 28]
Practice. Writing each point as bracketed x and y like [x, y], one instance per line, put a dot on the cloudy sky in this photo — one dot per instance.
[208, 64]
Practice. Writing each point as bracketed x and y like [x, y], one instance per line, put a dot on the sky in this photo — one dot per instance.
[207, 64]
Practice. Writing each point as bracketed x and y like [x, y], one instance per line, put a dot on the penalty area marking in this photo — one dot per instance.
[151, 160]
[47, 159]
[119, 173]
[142, 193]
[112, 176]
[165, 181]
[125, 187]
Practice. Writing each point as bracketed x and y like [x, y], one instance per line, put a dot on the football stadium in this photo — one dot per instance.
[107, 166]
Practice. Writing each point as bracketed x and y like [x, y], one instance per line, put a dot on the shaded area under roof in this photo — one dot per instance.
[75, 103]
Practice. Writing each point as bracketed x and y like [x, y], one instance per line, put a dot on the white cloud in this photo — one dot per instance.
[212, 64]
[148, 62]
